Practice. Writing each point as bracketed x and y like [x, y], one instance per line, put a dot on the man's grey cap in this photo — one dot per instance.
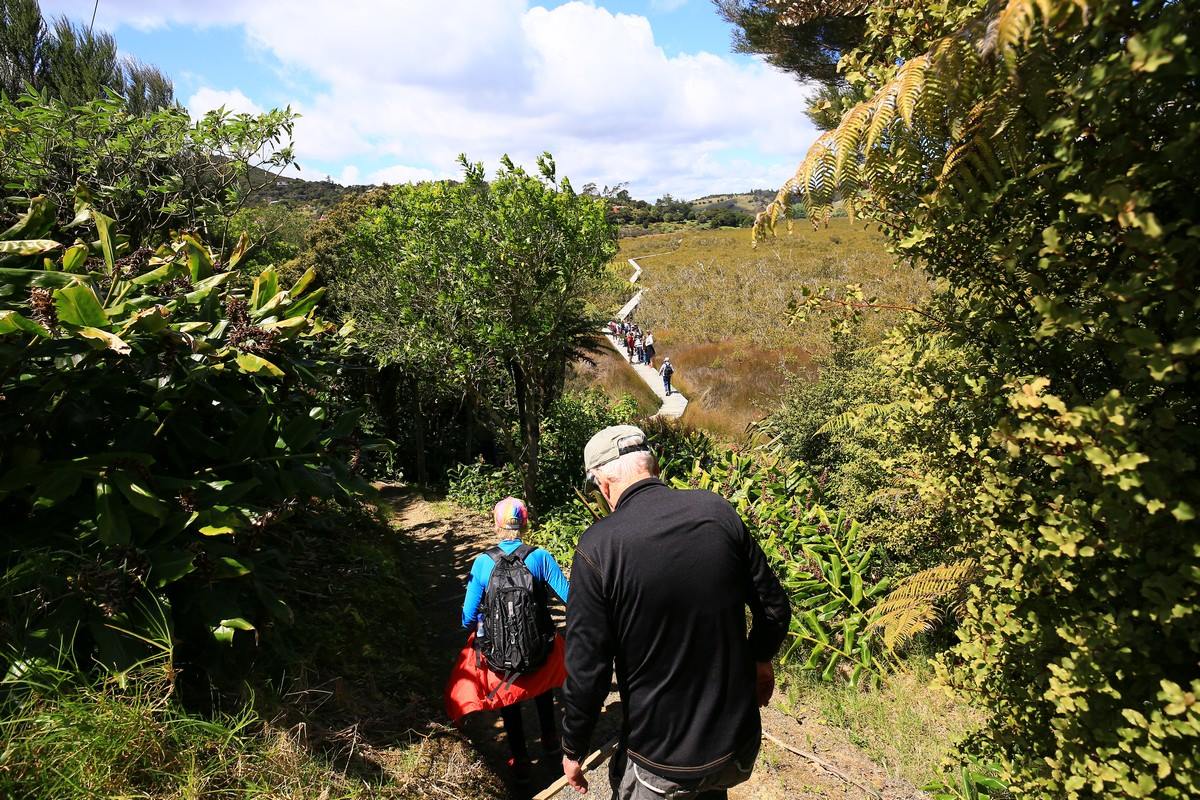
[611, 443]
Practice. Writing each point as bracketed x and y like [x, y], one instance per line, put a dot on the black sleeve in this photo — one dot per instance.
[770, 611]
[589, 657]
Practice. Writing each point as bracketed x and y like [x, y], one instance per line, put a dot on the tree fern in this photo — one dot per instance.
[958, 91]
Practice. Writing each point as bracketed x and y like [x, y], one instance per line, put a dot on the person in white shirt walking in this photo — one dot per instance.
[666, 371]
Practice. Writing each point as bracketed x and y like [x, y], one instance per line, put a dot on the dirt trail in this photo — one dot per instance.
[447, 539]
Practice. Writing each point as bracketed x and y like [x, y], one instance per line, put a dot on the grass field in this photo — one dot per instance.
[721, 309]
[908, 726]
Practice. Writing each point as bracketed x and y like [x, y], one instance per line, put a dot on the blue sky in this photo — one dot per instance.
[644, 91]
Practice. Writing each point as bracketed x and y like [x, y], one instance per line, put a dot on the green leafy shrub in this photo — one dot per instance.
[1036, 159]
[479, 485]
[156, 171]
[854, 428]
[568, 425]
[159, 430]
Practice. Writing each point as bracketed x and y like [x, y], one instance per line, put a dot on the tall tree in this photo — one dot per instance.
[78, 63]
[803, 37]
[72, 62]
[484, 286]
[145, 87]
[24, 36]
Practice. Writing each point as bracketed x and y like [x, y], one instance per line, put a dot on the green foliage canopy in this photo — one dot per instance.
[1038, 161]
[159, 429]
[482, 287]
[156, 171]
[72, 63]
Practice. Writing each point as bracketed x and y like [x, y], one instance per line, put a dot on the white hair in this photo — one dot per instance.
[628, 466]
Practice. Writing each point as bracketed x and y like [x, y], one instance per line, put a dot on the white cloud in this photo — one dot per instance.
[413, 84]
[349, 175]
[402, 173]
[207, 99]
[667, 5]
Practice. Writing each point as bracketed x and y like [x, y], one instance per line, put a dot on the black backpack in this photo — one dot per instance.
[518, 632]
[668, 370]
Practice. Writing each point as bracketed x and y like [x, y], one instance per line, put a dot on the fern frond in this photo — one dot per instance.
[912, 607]
[848, 135]
[909, 81]
[883, 113]
[856, 417]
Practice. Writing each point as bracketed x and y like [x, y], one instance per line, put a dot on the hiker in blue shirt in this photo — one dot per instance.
[512, 518]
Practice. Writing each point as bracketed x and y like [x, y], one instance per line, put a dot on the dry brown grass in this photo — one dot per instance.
[728, 384]
[612, 374]
[721, 309]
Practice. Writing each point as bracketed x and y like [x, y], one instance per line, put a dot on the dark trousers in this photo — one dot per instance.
[514, 725]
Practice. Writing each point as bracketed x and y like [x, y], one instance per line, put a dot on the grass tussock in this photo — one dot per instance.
[66, 737]
[612, 374]
[909, 726]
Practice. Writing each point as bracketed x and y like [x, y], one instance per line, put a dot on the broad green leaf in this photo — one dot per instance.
[257, 365]
[168, 566]
[301, 307]
[287, 328]
[151, 320]
[856, 588]
[139, 496]
[239, 250]
[107, 245]
[266, 286]
[237, 623]
[44, 279]
[111, 522]
[270, 307]
[303, 282]
[232, 567]
[75, 257]
[35, 223]
[61, 482]
[107, 340]
[202, 289]
[12, 322]
[77, 305]
[166, 272]
[200, 263]
[27, 247]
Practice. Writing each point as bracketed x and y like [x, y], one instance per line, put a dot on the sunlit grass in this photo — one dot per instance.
[908, 726]
[723, 310]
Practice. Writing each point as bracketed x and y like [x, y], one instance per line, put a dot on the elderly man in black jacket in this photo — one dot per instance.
[660, 588]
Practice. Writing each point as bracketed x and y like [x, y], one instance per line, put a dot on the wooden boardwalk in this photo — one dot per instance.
[673, 406]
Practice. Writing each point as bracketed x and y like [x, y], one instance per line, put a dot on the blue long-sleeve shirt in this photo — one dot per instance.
[541, 564]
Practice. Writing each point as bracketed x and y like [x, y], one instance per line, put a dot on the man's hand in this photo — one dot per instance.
[574, 772]
[766, 682]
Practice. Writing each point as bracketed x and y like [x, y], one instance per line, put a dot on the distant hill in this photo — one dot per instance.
[323, 195]
[319, 196]
[750, 202]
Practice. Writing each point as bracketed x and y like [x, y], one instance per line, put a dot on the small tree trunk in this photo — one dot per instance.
[530, 423]
[418, 422]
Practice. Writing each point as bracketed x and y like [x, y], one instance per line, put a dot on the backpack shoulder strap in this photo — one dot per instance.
[495, 553]
[524, 551]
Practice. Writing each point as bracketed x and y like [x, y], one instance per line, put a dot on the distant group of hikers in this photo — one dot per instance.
[639, 348]
[659, 590]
